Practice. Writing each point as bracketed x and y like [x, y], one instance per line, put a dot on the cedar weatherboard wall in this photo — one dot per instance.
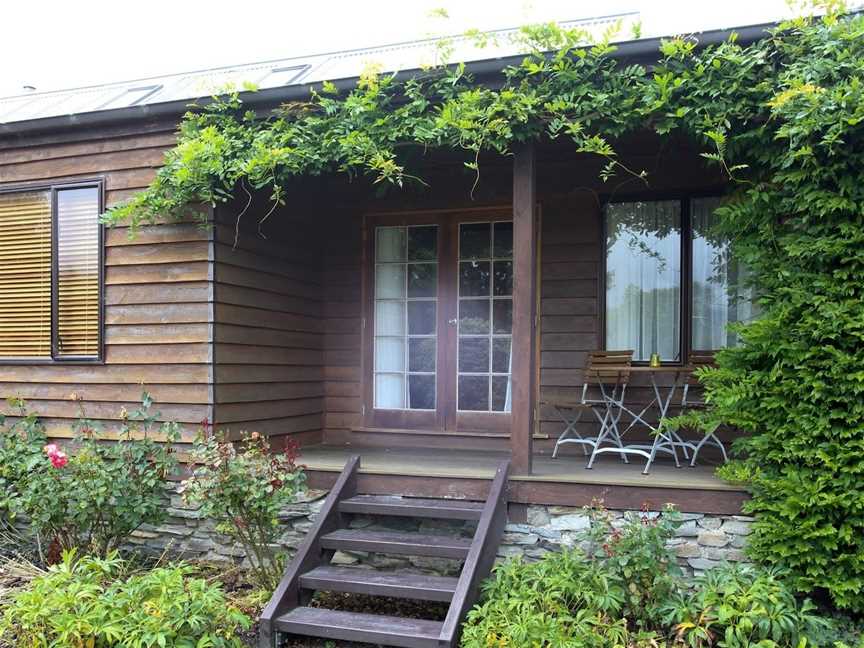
[157, 292]
[269, 338]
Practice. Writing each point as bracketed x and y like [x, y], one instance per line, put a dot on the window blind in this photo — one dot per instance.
[25, 275]
[78, 272]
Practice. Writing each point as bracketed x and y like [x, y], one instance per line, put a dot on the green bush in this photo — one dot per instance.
[637, 555]
[21, 445]
[738, 606]
[606, 595]
[95, 496]
[621, 588]
[95, 603]
[565, 599]
[243, 487]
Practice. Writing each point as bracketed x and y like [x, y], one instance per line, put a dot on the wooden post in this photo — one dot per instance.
[524, 306]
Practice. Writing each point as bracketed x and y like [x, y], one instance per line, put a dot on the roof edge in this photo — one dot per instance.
[483, 68]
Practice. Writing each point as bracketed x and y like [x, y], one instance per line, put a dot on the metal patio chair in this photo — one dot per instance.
[612, 384]
[699, 359]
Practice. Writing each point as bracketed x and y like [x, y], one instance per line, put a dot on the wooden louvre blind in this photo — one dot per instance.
[78, 272]
[25, 275]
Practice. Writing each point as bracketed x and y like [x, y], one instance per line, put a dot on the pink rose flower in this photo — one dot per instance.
[56, 455]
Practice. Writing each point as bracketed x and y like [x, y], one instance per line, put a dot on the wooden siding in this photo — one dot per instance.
[268, 336]
[343, 326]
[157, 294]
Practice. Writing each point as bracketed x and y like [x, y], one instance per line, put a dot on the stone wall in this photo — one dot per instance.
[701, 542]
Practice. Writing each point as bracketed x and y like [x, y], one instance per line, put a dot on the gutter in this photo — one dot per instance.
[643, 49]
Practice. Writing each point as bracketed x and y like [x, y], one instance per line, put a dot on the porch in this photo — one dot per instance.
[563, 481]
[426, 328]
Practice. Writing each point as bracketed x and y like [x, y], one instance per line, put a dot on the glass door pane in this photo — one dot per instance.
[485, 316]
[406, 301]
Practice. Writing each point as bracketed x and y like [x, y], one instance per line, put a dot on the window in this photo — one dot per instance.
[50, 267]
[406, 291]
[721, 291]
[643, 278]
[485, 316]
[657, 303]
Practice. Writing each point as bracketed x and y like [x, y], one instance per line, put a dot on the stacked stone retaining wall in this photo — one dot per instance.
[701, 542]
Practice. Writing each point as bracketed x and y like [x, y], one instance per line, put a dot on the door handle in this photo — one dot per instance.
[452, 321]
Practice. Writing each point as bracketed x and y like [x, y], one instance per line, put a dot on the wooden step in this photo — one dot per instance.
[404, 544]
[439, 509]
[368, 581]
[353, 626]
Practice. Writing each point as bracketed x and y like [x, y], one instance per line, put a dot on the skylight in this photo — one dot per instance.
[130, 97]
[283, 75]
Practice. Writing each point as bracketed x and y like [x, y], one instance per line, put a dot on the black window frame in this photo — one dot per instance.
[53, 188]
[685, 338]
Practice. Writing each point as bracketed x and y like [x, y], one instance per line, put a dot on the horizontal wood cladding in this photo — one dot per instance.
[342, 326]
[157, 294]
[268, 333]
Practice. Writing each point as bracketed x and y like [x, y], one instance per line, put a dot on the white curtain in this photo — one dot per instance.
[643, 278]
[390, 326]
[720, 291]
[508, 398]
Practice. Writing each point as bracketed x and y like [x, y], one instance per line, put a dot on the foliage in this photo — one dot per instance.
[622, 588]
[607, 594]
[738, 607]
[96, 603]
[782, 117]
[636, 553]
[244, 489]
[97, 495]
[561, 600]
[21, 444]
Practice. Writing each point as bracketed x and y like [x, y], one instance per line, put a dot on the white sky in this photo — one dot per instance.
[53, 44]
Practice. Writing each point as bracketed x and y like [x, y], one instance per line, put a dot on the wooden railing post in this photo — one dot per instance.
[481, 557]
[524, 306]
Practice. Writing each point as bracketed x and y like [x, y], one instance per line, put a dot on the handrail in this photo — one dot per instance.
[480, 557]
[309, 553]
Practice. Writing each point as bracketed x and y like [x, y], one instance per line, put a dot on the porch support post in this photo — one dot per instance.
[524, 307]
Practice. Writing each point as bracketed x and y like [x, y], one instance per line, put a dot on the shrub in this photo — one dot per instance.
[21, 446]
[95, 496]
[739, 606]
[608, 594]
[97, 603]
[636, 553]
[242, 488]
[563, 599]
[622, 588]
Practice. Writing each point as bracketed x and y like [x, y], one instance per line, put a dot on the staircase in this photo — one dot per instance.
[310, 570]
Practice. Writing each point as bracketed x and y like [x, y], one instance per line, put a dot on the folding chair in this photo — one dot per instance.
[700, 359]
[612, 383]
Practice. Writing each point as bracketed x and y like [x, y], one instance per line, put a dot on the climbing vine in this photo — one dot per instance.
[783, 118]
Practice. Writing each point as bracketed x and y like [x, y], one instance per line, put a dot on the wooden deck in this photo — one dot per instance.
[563, 481]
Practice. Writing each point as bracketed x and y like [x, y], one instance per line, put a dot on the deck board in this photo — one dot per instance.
[468, 464]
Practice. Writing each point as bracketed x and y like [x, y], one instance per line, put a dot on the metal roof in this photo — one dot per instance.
[269, 75]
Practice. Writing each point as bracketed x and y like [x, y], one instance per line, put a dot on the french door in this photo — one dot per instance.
[440, 300]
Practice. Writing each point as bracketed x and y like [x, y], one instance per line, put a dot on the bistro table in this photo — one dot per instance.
[664, 440]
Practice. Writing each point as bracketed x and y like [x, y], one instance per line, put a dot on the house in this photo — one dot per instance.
[429, 331]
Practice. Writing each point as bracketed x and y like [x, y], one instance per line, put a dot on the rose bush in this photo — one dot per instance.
[242, 487]
[93, 497]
